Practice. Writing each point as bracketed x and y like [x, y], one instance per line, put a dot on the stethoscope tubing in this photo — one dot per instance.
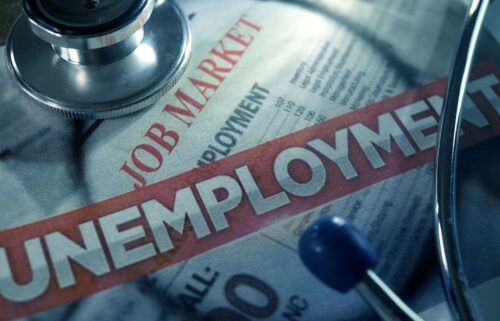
[446, 164]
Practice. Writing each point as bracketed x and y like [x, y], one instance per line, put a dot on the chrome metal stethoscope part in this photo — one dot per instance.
[446, 164]
[98, 58]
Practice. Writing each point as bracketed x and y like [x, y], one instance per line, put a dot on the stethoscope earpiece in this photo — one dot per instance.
[340, 256]
[337, 253]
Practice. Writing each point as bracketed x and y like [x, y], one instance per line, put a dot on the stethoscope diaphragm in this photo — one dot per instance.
[104, 67]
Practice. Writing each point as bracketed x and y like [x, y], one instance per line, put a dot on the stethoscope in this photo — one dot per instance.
[98, 58]
[90, 45]
[341, 257]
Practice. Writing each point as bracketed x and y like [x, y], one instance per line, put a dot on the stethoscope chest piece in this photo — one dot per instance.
[98, 58]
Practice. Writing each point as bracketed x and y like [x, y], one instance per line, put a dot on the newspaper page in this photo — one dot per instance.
[193, 208]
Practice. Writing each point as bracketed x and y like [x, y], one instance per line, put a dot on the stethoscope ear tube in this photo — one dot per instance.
[446, 163]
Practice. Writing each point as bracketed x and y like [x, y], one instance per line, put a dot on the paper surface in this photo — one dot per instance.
[308, 65]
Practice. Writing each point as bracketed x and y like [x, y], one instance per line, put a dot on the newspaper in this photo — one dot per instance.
[269, 84]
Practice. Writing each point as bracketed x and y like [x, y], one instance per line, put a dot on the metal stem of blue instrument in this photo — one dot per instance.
[385, 302]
